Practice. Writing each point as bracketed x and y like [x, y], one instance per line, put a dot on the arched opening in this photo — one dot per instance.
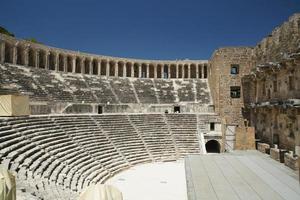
[173, 71]
[186, 71]
[31, 60]
[95, 67]
[205, 71]
[166, 71]
[20, 56]
[87, 66]
[212, 146]
[144, 71]
[42, 59]
[69, 64]
[103, 67]
[159, 75]
[180, 71]
[128, 69]
[193, 71]
[136, 70]
[151, 71]
[112, 65]
[120, 69]
[200, 71]
[8, 53]
[52, 61]
[61, 63]
[78, 66]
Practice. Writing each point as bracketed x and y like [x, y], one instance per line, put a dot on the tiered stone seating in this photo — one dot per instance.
[124, 137]
[165, 91]
[81, 90]
[145, 90]
[20, 79]
[154, 132]
[68, 153]
[185, 90]
[184, 130]
[51, 83]
[101, 88]
[123, 90]
[203, 94]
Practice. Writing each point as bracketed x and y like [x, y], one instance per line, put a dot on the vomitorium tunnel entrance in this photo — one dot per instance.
[212, 146]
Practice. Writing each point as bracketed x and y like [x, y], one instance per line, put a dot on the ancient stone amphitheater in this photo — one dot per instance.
[93, 116]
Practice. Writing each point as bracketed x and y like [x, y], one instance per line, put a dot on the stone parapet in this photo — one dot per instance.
[291, 161]
[263, 147]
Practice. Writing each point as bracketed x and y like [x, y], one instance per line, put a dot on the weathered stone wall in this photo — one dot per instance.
[221, 79]
[283, 40]
[245, 138]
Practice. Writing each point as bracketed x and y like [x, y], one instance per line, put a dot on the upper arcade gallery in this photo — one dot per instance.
[26, 53]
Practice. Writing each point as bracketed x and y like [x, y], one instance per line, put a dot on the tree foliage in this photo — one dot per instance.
[6, 32]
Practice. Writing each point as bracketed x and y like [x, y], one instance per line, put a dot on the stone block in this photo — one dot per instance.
[263, 147]
[291, 161]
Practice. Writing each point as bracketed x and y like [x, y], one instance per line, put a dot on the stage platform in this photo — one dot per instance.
[239, 175]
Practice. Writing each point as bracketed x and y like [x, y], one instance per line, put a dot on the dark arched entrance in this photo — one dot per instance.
[212, 146]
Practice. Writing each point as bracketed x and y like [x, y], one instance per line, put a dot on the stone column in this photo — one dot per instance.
[26, 56]
[124, 70]
[116, 69]
[47, 53]
[56, 62]
[132, 70]
[14, 54]
[147, 67]
[73, 64]
[2, 51]
[82, 65]
[65, 64]
[155, 70]
[169, 71]
[99, 67]
[162, 71]
[197, 71]
[37, 59]
[91, 66]
[177, 71]
[189, 71]
[140, 70]
[107, 68]
[183, 71]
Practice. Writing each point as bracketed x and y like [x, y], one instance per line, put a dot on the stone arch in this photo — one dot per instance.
[144, 70]
[173, 71]
[136, 70]
[151, 71]
[61, 62]
[42, 59]
[69, 64]
[103, 67]
[186, 70]
[120, 68]
[128, 69]
[9, 51]
[166, 71]
[200, 71]
[112, 66]
[213, 146]
[87, 66]
[193, 71]
[180, 71]
[52, 61]
[78, 65]
[205, 71]
[95, 67]
[159, 67]
[31, 57]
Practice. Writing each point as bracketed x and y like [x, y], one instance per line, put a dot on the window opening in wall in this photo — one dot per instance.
[234, 69]
[212, 126]
[235, 91]
[176, 109]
